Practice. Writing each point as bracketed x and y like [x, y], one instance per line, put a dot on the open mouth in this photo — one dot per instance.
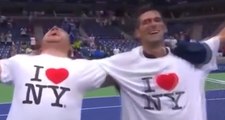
[154, 32]
[52, 41]
[54, 33]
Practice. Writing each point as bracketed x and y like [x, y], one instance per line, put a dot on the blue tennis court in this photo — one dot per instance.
[108, 108]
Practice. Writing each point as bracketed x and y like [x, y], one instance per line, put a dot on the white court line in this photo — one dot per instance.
[5, 103]
[3, 115]
[215, 90]
[105, 107]
[115, 96]
[101, 97]
[87, 98]
[215, 99]
[83, 109]
[118, 106]
[216, 81]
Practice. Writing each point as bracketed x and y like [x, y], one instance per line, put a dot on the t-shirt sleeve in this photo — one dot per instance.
[212, 46]
[94, 75]
[114, 66]
[6, 70]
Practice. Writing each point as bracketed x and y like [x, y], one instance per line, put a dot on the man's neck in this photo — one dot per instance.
[54, 52]
[154, 50]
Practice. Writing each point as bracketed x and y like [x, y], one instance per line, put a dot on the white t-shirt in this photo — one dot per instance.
[162, 88]
[48, 87]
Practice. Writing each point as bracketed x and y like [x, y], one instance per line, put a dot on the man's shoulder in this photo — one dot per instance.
[130, 53]
[20, 56]
[85, 64]
[123, 58]
[82, 62]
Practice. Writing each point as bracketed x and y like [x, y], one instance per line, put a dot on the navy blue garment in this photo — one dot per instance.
[194, 52]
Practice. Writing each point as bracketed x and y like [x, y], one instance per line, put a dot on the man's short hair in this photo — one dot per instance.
[143, 9]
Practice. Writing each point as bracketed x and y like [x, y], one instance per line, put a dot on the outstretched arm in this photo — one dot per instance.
[197, 53]
[5, 71]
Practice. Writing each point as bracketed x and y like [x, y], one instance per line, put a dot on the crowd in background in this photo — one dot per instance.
[82, 46]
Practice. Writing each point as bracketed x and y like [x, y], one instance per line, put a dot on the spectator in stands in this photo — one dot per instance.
[3, 21]
[123, 35]
[92, 41]
[98, 53]
[30, 29]
[28, 50]
[72, 37]
[33, 42]
[77, 23]
[66, 25]
[72, 25]
[77, 44]
[182, 36]
[116, 51]
[13, 49]
[92, 38]
[36, 49]
[23, 32]
[23, 49]
[177, 37]
[76, 54]
[171, 42]
[9, 38]
[2, 38]
[10, 23]
[187, 37]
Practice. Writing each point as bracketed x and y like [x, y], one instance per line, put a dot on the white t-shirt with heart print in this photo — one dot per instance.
[162, 88]
[48, 87]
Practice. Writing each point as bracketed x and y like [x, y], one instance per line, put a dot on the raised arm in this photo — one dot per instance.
[197, 53]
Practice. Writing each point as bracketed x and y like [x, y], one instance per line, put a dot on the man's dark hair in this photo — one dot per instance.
[143, 9]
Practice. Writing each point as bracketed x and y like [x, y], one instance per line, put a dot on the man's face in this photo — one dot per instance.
[151, 27]
[56, 37]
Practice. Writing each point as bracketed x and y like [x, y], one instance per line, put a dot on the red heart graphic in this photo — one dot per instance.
[167, 81]
[57, 75]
